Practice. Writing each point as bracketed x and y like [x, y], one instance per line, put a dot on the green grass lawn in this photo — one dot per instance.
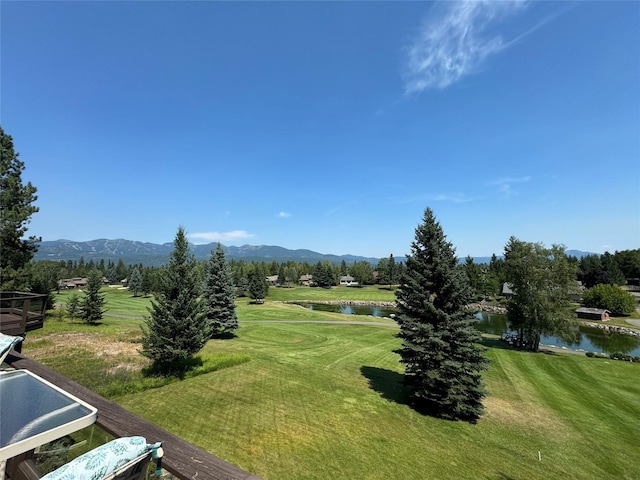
[320, 401]
[122, 303]
[370, 293]
[327, 401]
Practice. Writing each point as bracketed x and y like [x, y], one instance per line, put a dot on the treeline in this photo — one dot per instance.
[46, 276]
[619, 268]
[485, 280]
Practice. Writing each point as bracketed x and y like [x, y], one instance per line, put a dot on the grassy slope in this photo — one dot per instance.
[326, 401]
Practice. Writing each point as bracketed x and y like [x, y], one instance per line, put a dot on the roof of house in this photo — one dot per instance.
[597, 311]
[507, 288]
[347, 278]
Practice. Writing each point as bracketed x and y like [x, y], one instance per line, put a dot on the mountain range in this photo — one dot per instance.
[153, 254]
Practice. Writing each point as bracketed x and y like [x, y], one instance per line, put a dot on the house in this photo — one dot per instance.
[593, 313]
[507, 290]
[272, 280]
[306, 279]
[71, 283]
[347, 280]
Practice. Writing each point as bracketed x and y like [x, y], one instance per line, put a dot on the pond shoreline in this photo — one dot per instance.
[356, 303]
[482, 307]
[613, 328]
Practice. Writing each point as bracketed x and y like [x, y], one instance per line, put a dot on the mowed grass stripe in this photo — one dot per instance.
[285, 415]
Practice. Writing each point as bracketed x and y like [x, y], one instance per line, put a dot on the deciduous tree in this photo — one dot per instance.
[541, 279]
[177, 327]
[609, 297]
[443, 363]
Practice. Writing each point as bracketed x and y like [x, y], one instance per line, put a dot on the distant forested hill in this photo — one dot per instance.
[132, 252]
[153, 254]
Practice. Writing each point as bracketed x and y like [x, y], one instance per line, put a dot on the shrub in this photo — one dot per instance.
[611, 298]
[620, 356]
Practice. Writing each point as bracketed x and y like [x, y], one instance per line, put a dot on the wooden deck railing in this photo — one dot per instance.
[182, 459]
[21, 312]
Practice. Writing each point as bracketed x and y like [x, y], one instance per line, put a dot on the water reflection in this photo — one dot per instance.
[350, 309]
[577, 338]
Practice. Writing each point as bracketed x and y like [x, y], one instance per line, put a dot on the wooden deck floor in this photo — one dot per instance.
[182, 459]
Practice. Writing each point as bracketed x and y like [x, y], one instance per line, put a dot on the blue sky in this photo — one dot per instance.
[328, 126]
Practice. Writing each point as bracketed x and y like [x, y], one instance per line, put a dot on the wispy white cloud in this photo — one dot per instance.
[453, 198]
[441, 197]
[284, 215]
[454, 41]
[221, 236]
[505, 185]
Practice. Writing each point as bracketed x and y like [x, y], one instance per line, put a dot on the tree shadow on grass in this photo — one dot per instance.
[390, 385]
[178, 369]
[224, 336]
[495, 343]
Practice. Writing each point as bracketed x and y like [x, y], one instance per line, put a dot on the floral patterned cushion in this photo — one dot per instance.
[7, 343]
[102, 460]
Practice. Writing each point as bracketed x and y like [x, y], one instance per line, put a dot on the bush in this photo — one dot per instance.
[621, 356]
[614, 356]
[611, 298]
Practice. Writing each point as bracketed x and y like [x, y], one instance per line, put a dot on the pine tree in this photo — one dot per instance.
[282, 276]
[93, 301]
[393, 271]
[177, 326]
[258, 287]
[135, 282]
[443, 364]
[16, 208]
[220, 294]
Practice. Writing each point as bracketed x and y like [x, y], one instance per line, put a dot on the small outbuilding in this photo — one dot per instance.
[348, 280]
[593, 313]
[507, 290]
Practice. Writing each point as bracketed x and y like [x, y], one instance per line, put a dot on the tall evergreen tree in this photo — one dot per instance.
[135, 282]
[258, 286]
[93, 301]
[16, 208]
[219, 294]
[282, 276]
[177, 326]
[393, 271]
[443, 363]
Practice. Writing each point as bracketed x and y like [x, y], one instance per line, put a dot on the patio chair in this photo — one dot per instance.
[8, 343]
[121, 459]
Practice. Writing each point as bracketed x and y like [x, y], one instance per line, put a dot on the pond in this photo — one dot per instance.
[350, 309]
[580, 338]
